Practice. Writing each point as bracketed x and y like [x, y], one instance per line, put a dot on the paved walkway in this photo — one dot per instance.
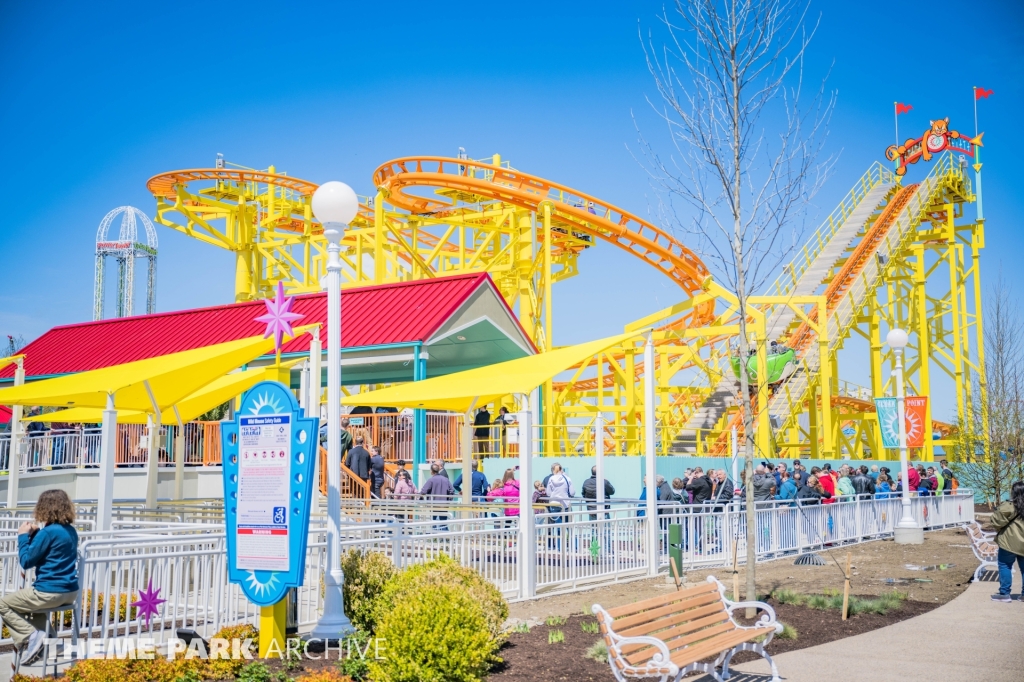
[969, 638]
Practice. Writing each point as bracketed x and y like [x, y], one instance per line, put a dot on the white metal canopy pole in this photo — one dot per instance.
[179, 458]
[649, 451]
[907, 532]
[527, 536]
[14, 454]
[152, 460]
[313, 385]
[334, 204]
[108, 451]
[153, 449]
[599, 456]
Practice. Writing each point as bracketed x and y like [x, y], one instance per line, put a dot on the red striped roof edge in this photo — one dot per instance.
[383, 314]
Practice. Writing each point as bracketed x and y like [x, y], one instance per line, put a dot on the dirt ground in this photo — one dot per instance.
[872, 564]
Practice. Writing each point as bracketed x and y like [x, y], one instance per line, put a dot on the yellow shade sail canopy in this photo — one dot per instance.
[9, 361]
[205, 399]
[461, 391]
[165, 380]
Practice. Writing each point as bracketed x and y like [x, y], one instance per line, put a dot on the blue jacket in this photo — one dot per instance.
[787, 491]
[53, 552]
[479, 486]
[882, 491]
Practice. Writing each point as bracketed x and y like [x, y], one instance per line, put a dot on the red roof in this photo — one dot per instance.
[375, 315]
[5, 414]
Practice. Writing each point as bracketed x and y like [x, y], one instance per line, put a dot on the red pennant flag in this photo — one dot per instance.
[981, 92]
[902, 108]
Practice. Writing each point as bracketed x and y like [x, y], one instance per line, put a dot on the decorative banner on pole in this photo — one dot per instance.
[914, 408]
[268, 460]
[887, 410]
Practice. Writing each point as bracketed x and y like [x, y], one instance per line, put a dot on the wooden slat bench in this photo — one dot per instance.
[984, 547]
[668, 636]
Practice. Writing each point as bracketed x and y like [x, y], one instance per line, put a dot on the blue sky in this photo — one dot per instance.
[97, 97]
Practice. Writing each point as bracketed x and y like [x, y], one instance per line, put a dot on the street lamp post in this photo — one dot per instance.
[334, 205]
[907, 531]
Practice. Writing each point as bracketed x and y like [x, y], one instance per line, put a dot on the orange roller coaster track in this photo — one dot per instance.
[571, 209]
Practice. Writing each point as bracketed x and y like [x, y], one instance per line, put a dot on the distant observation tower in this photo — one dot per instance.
[125, 250]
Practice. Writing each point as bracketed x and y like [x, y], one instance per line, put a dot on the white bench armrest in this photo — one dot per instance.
[659, 665]
[767, 618]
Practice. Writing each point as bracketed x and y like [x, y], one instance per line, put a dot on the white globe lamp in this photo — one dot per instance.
[335, 202]
[897, 338]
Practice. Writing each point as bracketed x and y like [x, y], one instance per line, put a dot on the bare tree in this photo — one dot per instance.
[14, 344]
[989, 448]
[744, 160]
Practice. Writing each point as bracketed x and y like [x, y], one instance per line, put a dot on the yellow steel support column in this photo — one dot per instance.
[957, 313]
[524, 265]
[630, 406]
[379, 267]
[244, 284]
[978, 243]
[763, 417]
[813, 429]
[827, 373]
[548, 340]
[920, 316]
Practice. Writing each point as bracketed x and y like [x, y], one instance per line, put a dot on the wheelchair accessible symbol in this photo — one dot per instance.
[279, 515]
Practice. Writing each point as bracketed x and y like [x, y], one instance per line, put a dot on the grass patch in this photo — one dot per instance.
[832, 600]
[789, 597]
[590, 626]
[598, 651]
[523, 627]
[556, 637]
[788, 632]
[553, 621]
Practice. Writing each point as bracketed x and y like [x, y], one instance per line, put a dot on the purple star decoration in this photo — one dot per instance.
[149, 601]
[279, 316]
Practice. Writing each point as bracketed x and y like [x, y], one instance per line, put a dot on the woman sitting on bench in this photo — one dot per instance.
[51, 549]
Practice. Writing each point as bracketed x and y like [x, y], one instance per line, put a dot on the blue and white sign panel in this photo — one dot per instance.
[268, 455]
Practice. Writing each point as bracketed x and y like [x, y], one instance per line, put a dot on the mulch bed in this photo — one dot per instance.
[528, 656]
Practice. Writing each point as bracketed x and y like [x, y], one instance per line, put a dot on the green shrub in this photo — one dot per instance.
[817, 601]
[435, 633]
[257, 671]
[598, 651]
[355, 666]
[445, 571]
[552, 621]
[556, 637]
[590, 626]
[366, 575]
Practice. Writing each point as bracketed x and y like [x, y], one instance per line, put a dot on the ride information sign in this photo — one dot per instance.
[264, 457]
[268, 452]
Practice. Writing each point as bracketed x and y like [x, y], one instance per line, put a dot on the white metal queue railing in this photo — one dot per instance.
[574, 546]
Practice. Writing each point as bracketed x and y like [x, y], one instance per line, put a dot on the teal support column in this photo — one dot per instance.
[419, 418]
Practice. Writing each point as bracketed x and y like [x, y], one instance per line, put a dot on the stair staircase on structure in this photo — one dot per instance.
[725, 393]
[707, 415]
[822, 266]
[790, 396]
